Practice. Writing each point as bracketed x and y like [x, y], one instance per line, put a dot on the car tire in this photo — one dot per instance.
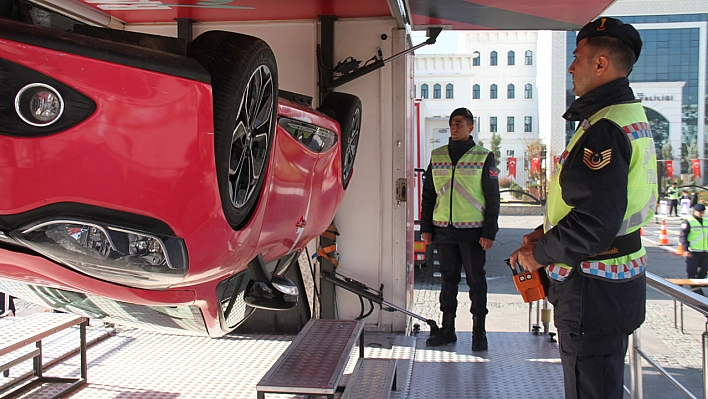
[244, 124]
[347, 109]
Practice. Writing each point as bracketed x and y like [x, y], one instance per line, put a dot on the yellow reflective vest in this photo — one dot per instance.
[641, 193]
[460, 198]
[698, 235]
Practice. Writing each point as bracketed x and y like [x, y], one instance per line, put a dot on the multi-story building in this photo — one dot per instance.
[517, 83]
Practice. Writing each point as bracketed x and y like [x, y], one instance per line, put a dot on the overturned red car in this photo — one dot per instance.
[150, 184]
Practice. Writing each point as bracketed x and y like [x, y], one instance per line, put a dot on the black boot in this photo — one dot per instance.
[479, 333]
[446, 334]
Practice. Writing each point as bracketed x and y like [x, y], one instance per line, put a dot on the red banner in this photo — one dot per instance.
[536, 165]
[556, 159]
[511, 167]
[669, 169]
[696, 165]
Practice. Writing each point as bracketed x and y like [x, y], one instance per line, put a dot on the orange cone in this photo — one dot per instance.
[679, 251]
[663, 235]
[641, 232]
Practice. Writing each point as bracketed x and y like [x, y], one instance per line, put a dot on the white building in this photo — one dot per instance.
[494, 74]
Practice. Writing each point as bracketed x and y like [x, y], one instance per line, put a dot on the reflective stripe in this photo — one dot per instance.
[470, 165]
[467, 196]
[638, 218]
[557, 272]
[638, 130]
[615, 272]
[467, 225]
[441, 192]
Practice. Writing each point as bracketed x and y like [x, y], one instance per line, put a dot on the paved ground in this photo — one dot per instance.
[680, 353]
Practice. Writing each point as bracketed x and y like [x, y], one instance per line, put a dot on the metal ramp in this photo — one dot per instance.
[136, 363]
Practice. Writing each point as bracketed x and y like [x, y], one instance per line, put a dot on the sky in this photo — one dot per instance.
[445, 44]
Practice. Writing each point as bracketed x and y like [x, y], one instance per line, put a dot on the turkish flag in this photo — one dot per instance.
[511, 166]
[669, 169]
[556, 159]
[696, 165]
[536, 165]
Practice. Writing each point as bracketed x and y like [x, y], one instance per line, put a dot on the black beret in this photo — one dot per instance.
[699, 207]
[464, 112]
[614, 28]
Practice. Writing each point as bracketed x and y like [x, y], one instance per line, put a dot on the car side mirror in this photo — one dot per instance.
[279, 293]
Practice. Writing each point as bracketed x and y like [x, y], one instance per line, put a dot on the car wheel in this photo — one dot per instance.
[244, 80]
[347, 109]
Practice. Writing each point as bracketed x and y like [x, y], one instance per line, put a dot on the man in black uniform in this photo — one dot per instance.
[694, 239]
[603, 191]
[460, 208]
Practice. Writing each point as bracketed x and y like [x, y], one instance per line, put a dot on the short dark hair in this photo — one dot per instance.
[619, 51]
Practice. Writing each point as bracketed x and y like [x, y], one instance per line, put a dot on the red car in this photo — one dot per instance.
[152, 183]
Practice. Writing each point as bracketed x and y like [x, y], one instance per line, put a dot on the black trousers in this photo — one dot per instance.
[452, 258]
[697, 265]
[673, 206]
[593, 365]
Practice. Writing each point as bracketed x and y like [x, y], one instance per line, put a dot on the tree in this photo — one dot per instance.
[691, 154]
[667, 152]
[495, 142]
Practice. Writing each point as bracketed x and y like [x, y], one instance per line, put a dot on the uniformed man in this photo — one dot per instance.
[460, 208]
[694, 239]
[603, 190]
[673, 194]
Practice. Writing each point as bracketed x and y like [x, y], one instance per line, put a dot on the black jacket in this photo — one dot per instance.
[583, 304]
[490, 187]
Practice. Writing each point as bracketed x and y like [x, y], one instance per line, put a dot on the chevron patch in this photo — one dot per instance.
[595, 161]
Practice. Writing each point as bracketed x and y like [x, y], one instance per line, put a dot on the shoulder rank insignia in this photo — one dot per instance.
[595, 161]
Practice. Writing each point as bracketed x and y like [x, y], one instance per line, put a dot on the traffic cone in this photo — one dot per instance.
[641, 232]
[663, 235]
[679, 251]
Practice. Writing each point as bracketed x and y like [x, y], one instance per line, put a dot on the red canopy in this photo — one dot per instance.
[459, 14]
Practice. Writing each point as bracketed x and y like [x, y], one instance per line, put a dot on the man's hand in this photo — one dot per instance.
[486, 243]
[427, 238]
[686, 254]
[534, 236]
[524, 255]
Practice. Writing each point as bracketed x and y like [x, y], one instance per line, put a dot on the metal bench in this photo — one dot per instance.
[21, 332]
[314, 362]
[371, 379]
[691, 283]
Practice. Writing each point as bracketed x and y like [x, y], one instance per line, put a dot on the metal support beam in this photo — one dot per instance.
[326, 54]
[184, 29]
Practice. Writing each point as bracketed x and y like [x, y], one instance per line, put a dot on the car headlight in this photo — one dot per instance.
[39, 104]
[110, 253]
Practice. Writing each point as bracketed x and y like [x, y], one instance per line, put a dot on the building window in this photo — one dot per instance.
[528, 124]
[528, 91]
[493, 91]
[510, 153]
[510, 58]
[475, 92]
[436, 91]
[492, 124]
[510, 91]
[509, 123]
[424, 90]
[449, 90]
[493, 58]
[529, 57]
[476, 58]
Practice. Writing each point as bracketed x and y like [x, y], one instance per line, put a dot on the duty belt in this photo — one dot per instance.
[621, 246]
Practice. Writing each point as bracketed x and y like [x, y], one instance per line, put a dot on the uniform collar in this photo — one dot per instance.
[610, 93]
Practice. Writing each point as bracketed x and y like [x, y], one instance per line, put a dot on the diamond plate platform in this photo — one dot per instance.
[305, 367]
[371, 379]
[517, 365]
